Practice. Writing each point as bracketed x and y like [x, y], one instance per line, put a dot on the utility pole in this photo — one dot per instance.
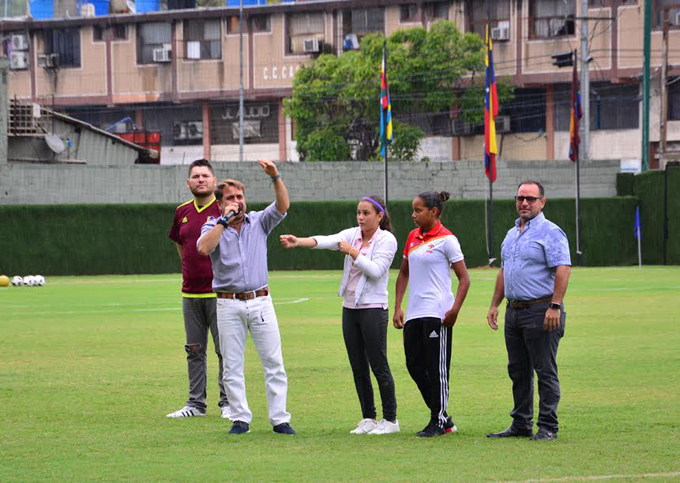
[663, 122]
[645, 85]
[584, 155]
[240, 90]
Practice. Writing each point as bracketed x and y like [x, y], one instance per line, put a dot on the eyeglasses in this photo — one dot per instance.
[529, 199]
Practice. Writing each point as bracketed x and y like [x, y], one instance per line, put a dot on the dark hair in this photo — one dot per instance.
[531, 181]
[435, 199]
[231, 183]
[201, 162]
[385, 223]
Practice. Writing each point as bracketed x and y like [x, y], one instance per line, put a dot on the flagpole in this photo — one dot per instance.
[491, 257]
[578, 192]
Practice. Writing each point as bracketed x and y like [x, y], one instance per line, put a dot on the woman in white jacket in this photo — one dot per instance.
[369, 250]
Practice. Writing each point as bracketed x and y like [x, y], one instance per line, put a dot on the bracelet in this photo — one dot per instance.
[274, 178]
[222, 221]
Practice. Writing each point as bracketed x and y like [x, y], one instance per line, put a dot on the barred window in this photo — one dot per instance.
[549, 19]
[152, 36]
[203, 39]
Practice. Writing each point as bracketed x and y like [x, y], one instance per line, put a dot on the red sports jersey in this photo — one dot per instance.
[186, 228]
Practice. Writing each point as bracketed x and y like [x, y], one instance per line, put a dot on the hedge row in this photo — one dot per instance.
[133, 238]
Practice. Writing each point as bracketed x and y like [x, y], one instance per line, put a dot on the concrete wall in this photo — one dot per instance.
[40, 184]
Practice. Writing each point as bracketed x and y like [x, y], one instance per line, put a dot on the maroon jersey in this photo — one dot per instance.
[186, 228]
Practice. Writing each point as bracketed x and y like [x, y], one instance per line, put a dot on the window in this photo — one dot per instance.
[261, 23]
[408, 12]
[97, 33]
[301, 27]
[436, 10]
[674, 100]
[120, 32]
[526, 111]
[152, 36]
[612, 106]
[491, 11]
[65, 43]
[658, 8]
[203, 39]
[363, 21]
[549, 19]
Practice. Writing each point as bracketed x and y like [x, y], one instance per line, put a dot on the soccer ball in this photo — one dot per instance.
[4, 281]
[17, 281]
[29, 281]
[39, 280]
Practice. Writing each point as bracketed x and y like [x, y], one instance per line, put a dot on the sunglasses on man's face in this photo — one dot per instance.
[529, 199]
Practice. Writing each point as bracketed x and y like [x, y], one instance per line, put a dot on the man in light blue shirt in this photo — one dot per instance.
[237, 245]
[534, 273]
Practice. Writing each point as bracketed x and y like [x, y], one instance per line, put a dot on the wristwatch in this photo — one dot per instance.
[555, 306]
[222, 221]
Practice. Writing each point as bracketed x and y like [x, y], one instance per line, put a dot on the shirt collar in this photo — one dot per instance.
[432, 233]
[536, 221]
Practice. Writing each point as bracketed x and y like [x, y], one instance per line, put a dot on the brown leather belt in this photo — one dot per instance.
[263, 292]
[524, 304]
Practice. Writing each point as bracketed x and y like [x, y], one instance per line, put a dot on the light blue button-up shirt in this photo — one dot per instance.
[529, 258]
[239, 260]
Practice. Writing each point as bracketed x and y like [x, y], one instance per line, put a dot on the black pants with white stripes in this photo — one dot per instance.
[427, 345]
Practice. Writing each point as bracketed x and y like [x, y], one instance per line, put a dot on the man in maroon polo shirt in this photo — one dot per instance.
[198, 298]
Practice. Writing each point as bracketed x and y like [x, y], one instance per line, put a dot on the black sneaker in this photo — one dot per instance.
[239, 427]
[544, 435]
[284, 428]
[431, 430]
[450, 426]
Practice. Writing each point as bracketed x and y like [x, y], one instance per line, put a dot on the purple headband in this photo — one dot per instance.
[367, 198]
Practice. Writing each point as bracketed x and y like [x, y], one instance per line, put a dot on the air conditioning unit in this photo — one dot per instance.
[183, 130]
[193, 50]
[48, 61]
[311, 45]
[178, 131]
[194, 130]
[502, 124]
[460, 128]
[18, 60]
[501, 32]
[19, 42]
[162, 54]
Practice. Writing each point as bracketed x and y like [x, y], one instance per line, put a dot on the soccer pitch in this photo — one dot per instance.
[91, 366]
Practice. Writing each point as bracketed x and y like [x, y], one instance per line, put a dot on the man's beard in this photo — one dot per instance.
[200, 194]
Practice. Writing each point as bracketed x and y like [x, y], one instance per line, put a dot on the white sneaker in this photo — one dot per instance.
[365, 426]
[226, 412]
[186, 412]
[386, 427]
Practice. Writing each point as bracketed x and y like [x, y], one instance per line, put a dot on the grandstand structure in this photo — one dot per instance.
[176, 72]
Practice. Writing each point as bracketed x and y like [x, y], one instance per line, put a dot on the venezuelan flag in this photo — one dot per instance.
[490, 113]
[574, 139]
[385, 108]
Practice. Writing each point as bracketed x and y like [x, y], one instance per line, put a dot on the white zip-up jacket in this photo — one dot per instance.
[372, 287]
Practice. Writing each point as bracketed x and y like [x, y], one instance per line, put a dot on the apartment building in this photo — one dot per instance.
[178, 72]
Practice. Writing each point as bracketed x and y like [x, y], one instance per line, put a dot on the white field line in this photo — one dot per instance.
[673, 474]
[292, 301]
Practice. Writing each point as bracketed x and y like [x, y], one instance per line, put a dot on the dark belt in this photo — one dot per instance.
[524, 304]
[263, 292]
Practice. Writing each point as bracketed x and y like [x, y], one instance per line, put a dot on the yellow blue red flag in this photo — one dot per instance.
[385, 107]
[490, 113]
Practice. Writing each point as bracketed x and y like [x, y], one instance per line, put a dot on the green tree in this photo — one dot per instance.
[335, 98]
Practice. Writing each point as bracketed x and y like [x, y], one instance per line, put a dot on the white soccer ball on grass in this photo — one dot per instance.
[39, 280]
[17, 281]
[29, 280]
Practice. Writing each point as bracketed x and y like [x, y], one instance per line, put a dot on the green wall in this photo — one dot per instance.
[133, 238]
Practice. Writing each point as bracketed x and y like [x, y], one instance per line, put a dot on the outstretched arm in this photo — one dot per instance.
[291, 241]
[280, 190]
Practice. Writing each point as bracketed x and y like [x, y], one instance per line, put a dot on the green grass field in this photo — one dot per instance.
[91, 365]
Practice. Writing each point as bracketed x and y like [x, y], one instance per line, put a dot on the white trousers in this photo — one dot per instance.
[234, 319]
